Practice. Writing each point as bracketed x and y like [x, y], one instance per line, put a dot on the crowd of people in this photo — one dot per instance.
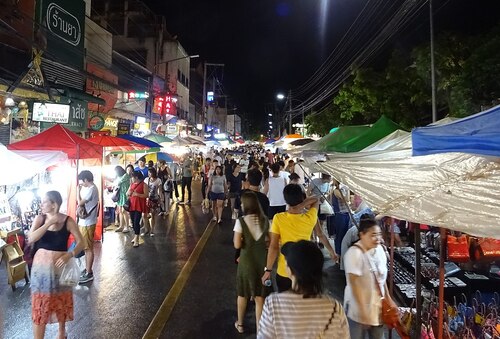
[282, 215]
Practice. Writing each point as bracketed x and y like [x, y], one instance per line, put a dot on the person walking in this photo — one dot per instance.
[141, 166]
[167, 186]
[250, 234]
[365, 265]
[88, 199]
[273, 187]
[175, 170]
[304, 311]
[137, 193]
[123, 184]
[216, 191]
[341, 218]
[187, 178]
[235, 180]
[154, 201]
[50, 301]
[205, 169]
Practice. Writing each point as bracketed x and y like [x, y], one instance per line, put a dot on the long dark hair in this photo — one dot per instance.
[251, 204]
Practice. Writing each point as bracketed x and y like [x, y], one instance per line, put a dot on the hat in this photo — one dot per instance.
[303, 257]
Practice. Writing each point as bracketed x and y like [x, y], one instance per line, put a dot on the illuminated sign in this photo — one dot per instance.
[140, 120]
[56, 113]
[210, 96]
[138, 95]
[165, 105]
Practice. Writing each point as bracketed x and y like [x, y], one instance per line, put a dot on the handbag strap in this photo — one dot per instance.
[322, 333]
[372, 270]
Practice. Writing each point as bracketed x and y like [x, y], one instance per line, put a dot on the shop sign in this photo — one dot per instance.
[102, 89]
[64, 21]
[77, 120]
[46, 112]
[96, 123]
[95, 134]
[123, 128]
[111, 123]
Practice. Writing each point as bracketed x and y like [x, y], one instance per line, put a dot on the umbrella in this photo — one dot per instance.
[240, 141]
[293, 136]
[164, 156]
[158, 138]
[301, 142]
[142, 141]
[270, 141]
[117, 144]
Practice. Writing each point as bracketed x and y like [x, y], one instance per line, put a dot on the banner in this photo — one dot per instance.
[102, 89]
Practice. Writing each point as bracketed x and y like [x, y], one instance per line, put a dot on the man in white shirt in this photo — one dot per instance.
[244, 162]
[88, 198]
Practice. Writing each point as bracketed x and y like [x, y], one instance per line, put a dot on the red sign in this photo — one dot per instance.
[165, 105]
[102, 89]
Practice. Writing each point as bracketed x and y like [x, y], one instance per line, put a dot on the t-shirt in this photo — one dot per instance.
[319, 187]
[361, 264]
[290, 315]
[253, 224]
[91, 196]
[187, 170]
[143, 170]
[293, 227]
[218, 182]
[153, 185]
[263, 200]
[235, 182]
[244, 165]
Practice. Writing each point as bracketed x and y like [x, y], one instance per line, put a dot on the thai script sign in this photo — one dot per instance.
[63, 24]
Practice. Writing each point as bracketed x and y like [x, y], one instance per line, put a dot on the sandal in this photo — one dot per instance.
[239, 327]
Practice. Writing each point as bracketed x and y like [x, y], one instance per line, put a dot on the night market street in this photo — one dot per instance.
[131, 284]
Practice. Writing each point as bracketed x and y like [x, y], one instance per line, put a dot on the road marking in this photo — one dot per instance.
[161, 317]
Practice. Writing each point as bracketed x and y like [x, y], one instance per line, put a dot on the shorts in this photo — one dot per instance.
[216, 196]
[88, 233]
[153, 204]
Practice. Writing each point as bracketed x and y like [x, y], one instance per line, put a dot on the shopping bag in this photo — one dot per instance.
[325, 208]
[116, 194]
[458, 248]
[487, 248]
[70, 273]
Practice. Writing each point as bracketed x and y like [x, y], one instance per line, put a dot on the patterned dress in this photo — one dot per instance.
[50, 302]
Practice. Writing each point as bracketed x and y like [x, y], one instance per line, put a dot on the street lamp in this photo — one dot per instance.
[289, 99]
[280, 96]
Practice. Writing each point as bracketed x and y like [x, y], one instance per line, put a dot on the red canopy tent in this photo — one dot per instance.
[117, 144]
[61, 139]
[58, 138]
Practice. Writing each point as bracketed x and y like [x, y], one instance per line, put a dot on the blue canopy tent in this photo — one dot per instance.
[141, 141]
[476, 134]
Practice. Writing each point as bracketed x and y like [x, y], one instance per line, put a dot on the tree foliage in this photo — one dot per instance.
[467, 81]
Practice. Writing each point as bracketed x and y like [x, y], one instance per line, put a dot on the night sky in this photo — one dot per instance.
[270, 46]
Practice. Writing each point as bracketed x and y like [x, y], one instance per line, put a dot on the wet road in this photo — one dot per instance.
[131, 284]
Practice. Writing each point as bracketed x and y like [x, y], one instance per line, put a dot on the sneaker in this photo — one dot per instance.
[151, 234]
[126, 230]
[181, 202]
[83, 273]
[86, 278]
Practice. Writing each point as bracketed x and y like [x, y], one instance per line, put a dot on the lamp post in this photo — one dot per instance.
[165, 86]
[289, 99]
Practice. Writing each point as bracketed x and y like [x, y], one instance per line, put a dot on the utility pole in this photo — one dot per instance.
[433, 69]
[290, 111]
[204, 110]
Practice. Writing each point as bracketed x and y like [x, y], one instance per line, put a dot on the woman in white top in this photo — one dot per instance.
[251, 233]
[154, 201]
[304, 311]
[273, 188]
[365, 265]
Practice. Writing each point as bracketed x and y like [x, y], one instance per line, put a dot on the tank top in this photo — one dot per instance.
[275, 193]
[218, 183]
[55, 240]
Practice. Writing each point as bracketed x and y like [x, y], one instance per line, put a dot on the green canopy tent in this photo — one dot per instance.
[380, 129]
[332, 141]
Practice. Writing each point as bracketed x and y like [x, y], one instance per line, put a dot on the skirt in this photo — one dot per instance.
[50, 302]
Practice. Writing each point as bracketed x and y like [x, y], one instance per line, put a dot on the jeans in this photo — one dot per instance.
[176, 190]
[135, 216]
[360, 331]
[340, 225]
[186, 181]
[204, 184]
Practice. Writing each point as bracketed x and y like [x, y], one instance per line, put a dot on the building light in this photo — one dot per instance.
[138, 95]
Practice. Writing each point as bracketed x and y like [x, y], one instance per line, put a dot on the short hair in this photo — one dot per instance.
[151, 163]
[55, 198]
[254, 177]
[162, 162]
[119, 171]
[129, 165]
[138, 175]
[143, 159]
[86, 175]
[208, 159]
[294, 176]
[293, 194]
[326, 176]
[275, 167]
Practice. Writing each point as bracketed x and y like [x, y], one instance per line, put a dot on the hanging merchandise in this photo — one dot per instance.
[458, 248]
[487, 248]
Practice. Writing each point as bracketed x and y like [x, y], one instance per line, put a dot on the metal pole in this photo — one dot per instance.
[166, 89]
[204, 100]
[442, 259]
[433, 69]
[290, 111]
[303, 124]
[418, 281]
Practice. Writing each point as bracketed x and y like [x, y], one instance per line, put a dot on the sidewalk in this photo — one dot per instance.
[130, 283]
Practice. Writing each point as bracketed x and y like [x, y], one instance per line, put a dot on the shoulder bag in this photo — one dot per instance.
[126, 205]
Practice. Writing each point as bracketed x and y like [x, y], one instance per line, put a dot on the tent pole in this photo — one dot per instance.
[391, 271]
[442, 254]
[418, 282]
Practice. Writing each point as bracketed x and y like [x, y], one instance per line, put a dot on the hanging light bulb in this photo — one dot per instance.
[9, 102]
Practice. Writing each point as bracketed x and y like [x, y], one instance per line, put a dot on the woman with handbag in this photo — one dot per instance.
[137, 193]
[365, 265]
[304, 311]
[51, 301]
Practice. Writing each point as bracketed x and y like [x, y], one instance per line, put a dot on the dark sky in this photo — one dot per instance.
[269, 46]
